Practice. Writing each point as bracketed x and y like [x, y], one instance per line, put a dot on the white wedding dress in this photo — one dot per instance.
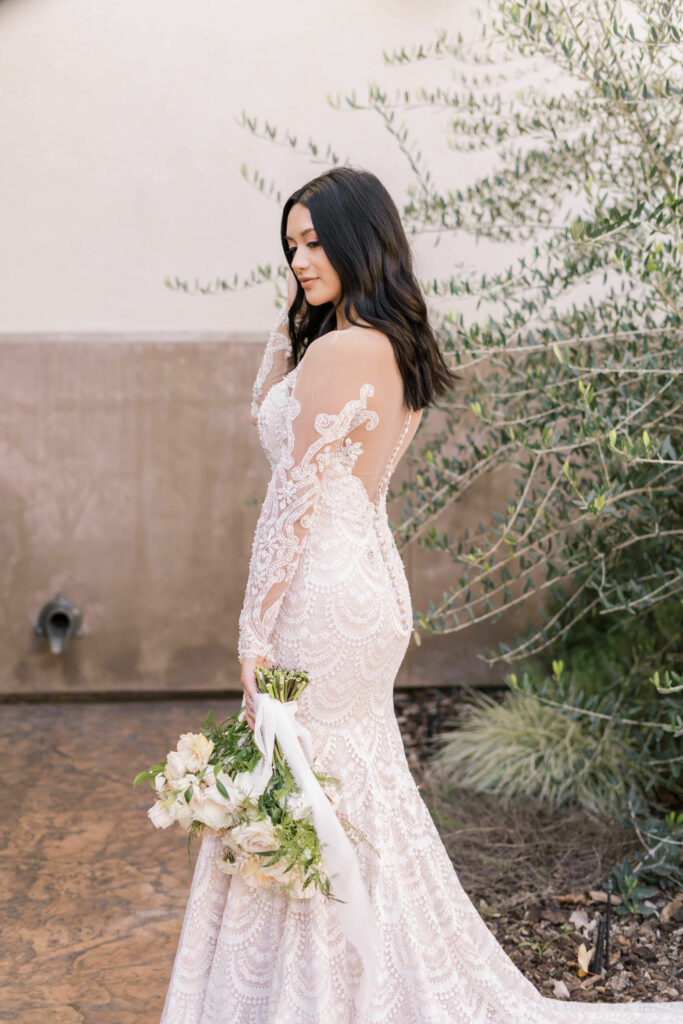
[327, 593]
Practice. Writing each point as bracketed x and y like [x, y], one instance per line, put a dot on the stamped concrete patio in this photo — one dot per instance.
[93, 895]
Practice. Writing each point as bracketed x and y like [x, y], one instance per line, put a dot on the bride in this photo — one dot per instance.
[344, 378]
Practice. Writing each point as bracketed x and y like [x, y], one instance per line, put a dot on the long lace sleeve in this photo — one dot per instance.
[332, 385]
[275, 363]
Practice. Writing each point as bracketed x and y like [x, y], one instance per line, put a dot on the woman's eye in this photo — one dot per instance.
[290, 252]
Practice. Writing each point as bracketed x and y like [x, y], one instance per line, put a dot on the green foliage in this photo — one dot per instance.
[576, 381]
[588, 726]
[632, 892]
[601, 674]
[233, 742]
[149, 774]
[523, 746]
[659, 866]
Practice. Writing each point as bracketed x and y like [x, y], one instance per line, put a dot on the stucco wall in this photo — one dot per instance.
[131, 480]
[122, 149]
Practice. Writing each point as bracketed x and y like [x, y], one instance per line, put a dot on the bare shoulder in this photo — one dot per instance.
[353, 342]
[338, 363]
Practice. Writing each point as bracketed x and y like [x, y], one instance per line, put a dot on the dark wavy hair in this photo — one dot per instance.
[360, 230]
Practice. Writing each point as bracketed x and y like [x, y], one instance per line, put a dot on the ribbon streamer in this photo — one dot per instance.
[276, 719]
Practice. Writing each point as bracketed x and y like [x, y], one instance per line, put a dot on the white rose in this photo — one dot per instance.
[161, 816]
[182, 813]
[234, 795]
[297, 886]
[195, 750]
[252, 784]
[256, 836]
[298, 806]
[189, 782]
[256, 874]
[226, 865]
[251, 870]
[212, 809]
[278, 871]
[175, 768]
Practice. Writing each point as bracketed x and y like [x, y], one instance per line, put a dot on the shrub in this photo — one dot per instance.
[524, 747]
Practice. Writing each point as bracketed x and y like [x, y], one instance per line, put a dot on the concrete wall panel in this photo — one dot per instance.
[131, 480]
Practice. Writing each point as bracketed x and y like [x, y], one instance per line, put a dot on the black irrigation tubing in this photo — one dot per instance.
[602, 953]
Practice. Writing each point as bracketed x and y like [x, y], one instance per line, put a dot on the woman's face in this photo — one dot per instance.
[318, 278]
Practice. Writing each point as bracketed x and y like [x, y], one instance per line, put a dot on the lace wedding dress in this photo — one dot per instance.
[327, 593]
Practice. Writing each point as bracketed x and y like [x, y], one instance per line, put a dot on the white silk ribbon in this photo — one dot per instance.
[276, 719]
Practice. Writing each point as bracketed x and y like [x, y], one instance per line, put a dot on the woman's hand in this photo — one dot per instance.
[248, 679]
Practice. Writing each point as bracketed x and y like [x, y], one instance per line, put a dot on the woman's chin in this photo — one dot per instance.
[318, 297]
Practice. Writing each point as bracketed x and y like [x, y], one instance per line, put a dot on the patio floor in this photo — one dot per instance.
[93, 895]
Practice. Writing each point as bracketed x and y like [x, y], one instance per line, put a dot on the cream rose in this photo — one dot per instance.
[160, 816]
[251, 784]
[256, 836]
[175, 768]
[234, 796]
[251, 870]
[256, 875]
[227, 866]
[297, 886]
[277, 871]
[195, 750]
[212, 809]
[182, 813]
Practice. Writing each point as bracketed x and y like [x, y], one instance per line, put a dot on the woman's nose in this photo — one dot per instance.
[299, 260]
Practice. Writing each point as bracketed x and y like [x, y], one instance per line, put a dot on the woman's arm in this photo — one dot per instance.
[329, 399]
[275, 363]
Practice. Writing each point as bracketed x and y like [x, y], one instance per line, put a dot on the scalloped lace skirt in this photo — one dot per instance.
[247, 956]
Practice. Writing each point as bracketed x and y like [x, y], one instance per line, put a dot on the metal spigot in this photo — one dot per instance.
[59, 620]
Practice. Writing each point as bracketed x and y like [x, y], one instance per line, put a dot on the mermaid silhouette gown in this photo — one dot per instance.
[327, 593]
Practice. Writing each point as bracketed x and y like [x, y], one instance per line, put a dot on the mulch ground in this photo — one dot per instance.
[537, 876]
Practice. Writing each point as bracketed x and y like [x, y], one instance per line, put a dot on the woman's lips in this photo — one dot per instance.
[308, 280]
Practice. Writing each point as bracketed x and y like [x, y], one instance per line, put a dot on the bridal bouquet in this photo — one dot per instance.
[262, 803]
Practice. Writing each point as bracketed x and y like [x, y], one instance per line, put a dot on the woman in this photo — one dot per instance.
[339, 395]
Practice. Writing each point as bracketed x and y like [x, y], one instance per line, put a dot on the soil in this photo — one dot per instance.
[537, 876]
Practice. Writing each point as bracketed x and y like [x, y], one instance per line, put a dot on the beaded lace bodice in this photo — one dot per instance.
[327, 593]
[333, 428]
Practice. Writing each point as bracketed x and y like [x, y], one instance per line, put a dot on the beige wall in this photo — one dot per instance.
[130, 480]
[122, 148]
